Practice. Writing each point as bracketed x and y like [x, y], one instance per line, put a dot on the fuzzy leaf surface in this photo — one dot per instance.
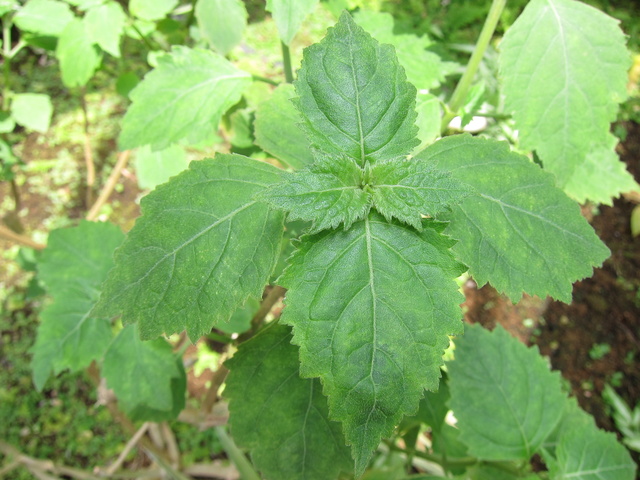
[44, 17]
[222, 22]
[505, 398]
[572, 62]
[355, 98]
[371, 309]
[184, 97]
[202, 246]
[519, 232]
[78, 56]
[73, 266]
[295, 440]
[327, 192]
[277, 128]
[289, 15]
[408, 189]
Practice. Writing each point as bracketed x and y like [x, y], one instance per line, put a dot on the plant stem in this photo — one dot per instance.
[433, 457]
[123, 158]
[275, 294]
[286, 59]
[6, 52]
[237, 457]
[265, 80]
[19, 239]
[88, 152]
[461, 90]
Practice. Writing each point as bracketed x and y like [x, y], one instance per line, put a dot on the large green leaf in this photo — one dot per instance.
[277, 128]
[77, 54]
[281, 418]
[354, 97]
[151, 9]
[184, 97]
[564, 68]
[371, 309]
[44, 17]
[202, 246]
[32, 110]
[289, 14]
[519, 232]
[156, 167]
[328, 192]
[72, 267]
[222, 22]
[105, 24]
[505, 398]
[147, 391]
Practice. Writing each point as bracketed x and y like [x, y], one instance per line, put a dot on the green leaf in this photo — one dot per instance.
[156, 167]
[77, 54]
[519, 231]
[202, 246]
[222, 22]
[183, 79]
[45, 17]
[587, 453]
[72, 267]
[354, 97]
[7, 6]
[240, 321]
[434, 407]
[105, 24]
[429, 118]
[327, 192]
[32, 110]
[371, 309]
[7, 123]
[407, 189]
[145, 389]
[289, 15]
[505, 398]
[571, 61]
[296, 439]
[151, 9]
[277, 129]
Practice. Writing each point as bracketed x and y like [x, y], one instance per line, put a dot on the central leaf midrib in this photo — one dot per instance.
[357, 102]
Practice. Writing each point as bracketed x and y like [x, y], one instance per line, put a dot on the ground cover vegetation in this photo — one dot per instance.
[310, 228]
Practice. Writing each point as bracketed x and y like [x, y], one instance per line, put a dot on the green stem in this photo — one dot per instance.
[460, 93]
[258, 78]
[6, 53]
[286, 59]
[434, 457]
[237, 457]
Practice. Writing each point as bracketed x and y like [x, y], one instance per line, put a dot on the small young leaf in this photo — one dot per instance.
[78, 56]
[327, 192]
[44, 17]
[202, 246]
[277, 129]
[105, 24]
[155, 168]
[354, 97]
[32, 110]
[222, 22]
[296, 439]
[145, 388]
[372, 308]
[183, 78]
[505, 398]
[151, 9]
[289, 15]
[519, 232]
[408, 189]
[564, 68]
[72, 267]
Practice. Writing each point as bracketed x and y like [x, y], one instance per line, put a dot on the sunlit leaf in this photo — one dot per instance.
[222, 22]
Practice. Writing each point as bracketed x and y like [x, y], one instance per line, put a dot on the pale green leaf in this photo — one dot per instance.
[519, 232]
[429, 118]
[408, 189]
[105, 24]
[503, 395]
[44, 17]
[328, 192]
[222, 22]
[202, 246]
[32, 110]
[151, 9]
[7, 6]
[156, 167]
[85, 4]
[277, 129]
[184, 97]
[141, 375]
[371, 309]
[7, 123]
[587, 453]
[289, 15]
[354, 97]
[72, 267]
[282, 418]
[564, 68]
[77, 54]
